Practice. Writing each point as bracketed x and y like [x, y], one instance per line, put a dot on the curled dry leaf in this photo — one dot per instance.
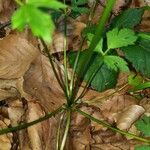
[128, 116]
[6, 139]
[16, 55]
[115, 104]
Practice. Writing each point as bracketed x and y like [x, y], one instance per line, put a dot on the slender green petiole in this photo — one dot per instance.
[65, 58]
[97, 37]
[26, 125]
[66, 129]
[58, 130]
[53, 66]
[112, 128]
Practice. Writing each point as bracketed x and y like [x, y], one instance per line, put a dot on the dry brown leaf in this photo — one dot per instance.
[6, 9]
[128, 116]
[40, 82]
[4, 94]
[16, 55]
[114, 104]
[80, 140]
[79, 122]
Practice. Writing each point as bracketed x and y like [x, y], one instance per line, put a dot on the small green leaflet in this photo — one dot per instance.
[119, 38]
[40, 23]
[143, 125]
[142, 147]
[53, 4]
[115, 63]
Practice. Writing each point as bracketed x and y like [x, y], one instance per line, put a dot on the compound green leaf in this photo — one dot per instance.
[115, 63]
[53, 4]
[139, 56]
[143, 125]
[40, 23]
[104, 78]
[128, 19]
[119, 38]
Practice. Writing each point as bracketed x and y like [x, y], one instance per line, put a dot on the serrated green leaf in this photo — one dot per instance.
[119, 38]
[128, 19]
[115, 63]
[142, 147]
[40, 23]
[139, 56]
[143, 125]
[53, 4]
[104, 78]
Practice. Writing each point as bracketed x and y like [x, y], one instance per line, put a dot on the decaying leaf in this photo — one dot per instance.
[6, 139]
[128, 116]
[15, 112]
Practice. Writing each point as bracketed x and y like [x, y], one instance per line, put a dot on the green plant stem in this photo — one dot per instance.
[66, 129]
[112, 128]
[84, 63]
[19, 2]
[74, 85]
[65, 56]
[26, 125]
[58, 130]
[106, 52]
[97, 37]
